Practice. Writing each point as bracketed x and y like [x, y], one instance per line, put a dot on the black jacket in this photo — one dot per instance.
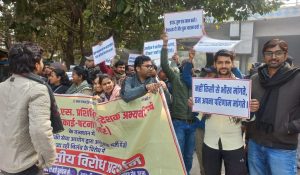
[287, 119]
[61, 89]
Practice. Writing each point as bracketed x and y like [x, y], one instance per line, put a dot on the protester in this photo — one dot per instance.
[223, 135]
[58, 65]
[142, 82]
[187, 74]
[182, 119]
[26, 137]
[118, 72]
[154, 70]
[163, 77]
[111, 90]
[175, 61]
[167, 94]
[237, 72]
[46, 71]
[253, 69]
[97, 88]
[79, 85]
[120, 69]
[129, 69]
[59, 81]
[273, 136]
[89, 62]
[92, 69]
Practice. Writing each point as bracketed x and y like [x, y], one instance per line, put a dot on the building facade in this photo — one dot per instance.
[253, 33]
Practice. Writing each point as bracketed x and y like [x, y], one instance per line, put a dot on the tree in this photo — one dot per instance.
[71, 27]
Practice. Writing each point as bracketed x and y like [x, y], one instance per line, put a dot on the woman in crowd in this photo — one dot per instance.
[110, 89]
[97, 88]
[80, 84]
[59, 81]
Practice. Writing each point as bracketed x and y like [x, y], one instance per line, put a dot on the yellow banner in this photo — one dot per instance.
[134, 138]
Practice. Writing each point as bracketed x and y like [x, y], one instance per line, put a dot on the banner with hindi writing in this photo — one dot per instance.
[230, 97]
[116, 138]
[184, 24]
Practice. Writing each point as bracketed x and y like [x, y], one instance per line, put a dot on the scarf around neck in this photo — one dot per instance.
[266, 115]
[55, 119]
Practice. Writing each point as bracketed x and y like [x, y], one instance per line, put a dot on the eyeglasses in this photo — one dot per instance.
[148, 66]
[277, 53]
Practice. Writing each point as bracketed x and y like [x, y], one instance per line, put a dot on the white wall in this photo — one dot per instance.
[277, 27]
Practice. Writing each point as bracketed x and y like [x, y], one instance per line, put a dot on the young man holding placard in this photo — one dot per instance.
[223, 135]
[182, 118]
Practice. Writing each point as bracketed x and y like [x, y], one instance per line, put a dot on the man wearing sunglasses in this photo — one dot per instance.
[273, 135]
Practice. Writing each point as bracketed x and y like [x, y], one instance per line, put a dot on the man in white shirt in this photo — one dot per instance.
[223, 135]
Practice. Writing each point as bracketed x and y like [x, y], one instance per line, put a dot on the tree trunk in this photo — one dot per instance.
[81, 38]
[69, 46]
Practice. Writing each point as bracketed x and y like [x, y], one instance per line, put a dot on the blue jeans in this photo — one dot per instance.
[185, 134]
[269, 161]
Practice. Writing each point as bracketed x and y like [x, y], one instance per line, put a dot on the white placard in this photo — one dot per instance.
[72, 67]
[152, 49]
[104, 51]
[69, 75]
[108, 61]
[230, 97]
[184, 24]
[210, 45]
[131, 58]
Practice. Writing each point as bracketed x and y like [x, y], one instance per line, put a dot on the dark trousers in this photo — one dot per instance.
[234, 161]
[34, 170]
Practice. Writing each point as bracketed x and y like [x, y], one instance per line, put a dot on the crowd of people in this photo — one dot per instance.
[271, 132]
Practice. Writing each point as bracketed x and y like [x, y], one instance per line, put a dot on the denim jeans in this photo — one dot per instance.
[185, 134]
[269, 161]
[298, 152]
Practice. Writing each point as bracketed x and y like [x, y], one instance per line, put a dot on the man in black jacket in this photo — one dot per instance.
[274, 132]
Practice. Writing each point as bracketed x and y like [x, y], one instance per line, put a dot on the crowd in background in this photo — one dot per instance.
[271, 135]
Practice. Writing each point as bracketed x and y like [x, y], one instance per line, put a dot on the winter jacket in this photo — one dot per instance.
[133, 88]
[180, 94]
[287, 119]
[26, 136]
[83, 88]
